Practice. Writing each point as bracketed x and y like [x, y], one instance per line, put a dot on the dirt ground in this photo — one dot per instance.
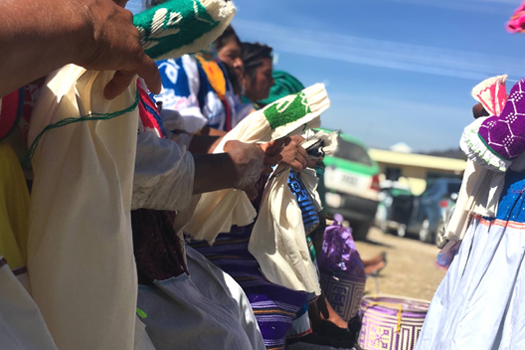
[410, 269]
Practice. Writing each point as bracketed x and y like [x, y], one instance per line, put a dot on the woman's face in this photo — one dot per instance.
[230, 54]
[258, 88]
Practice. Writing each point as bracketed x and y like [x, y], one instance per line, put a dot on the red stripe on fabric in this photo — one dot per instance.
[295, 336]
[273, 311]
[275, 347]
[147, 99]
[500, 223]
[9, 112]
[148, 120]
[228, 125]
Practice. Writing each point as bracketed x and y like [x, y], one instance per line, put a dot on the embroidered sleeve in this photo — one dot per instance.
[164, 174]
[180, 89]
[504, 136]
[477, 151]
[492, 94]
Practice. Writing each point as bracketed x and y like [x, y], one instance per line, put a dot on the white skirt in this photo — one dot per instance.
[204, 311]
[480, 304]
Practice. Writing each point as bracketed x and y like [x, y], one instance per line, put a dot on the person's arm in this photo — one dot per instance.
[295, 156]
[38, 37]
[204, 144]
[212, 131]
[166, 176]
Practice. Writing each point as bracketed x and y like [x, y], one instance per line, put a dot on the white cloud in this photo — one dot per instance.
[381, 53]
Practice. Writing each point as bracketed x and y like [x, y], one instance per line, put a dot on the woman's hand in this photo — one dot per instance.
[38, 37]
[248, 161]
[113, 43]
[251, 160]
[295, 156]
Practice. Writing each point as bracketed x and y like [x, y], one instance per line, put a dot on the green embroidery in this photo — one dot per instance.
[491, 150]
[287, 110]
[172, 25]
[480, 153]
[311, 247]
[141, 313]
[71, 120]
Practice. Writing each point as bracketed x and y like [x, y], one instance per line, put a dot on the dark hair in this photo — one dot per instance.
[479, 111]
[234, 79]
[252, 56]
[226, 36]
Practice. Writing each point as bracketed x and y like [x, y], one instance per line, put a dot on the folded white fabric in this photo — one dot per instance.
[325, 143]
[22, 327]
[291, 115]
[80, 253]
[278, 239]
[81, 262]
[484, 176]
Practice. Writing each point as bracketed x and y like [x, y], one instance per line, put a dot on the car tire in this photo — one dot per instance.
[425, 235]
[360, 230]
[383, 226]
[402, 230]
[440, 239]
[381, 220]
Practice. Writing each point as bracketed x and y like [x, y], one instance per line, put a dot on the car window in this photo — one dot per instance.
[431, 191]
[453, 188]
[400, 192]
[352, 152]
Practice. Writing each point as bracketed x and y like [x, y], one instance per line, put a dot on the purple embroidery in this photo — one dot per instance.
[505, 136]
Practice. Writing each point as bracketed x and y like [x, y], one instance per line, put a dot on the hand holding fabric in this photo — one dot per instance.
[294, 155]
[40, 37]
[218, 211]
[248, 160]
[110, 41]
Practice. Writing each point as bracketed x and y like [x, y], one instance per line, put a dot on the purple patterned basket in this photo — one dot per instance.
[343, 294]
[391, 323]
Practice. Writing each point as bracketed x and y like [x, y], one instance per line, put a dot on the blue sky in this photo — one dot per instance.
[395, 70]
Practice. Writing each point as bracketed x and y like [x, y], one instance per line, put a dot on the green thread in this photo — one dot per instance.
[311, 248]
[141, 313]
[172, 25]
[490, 149]
[71, 120]
[486, 159]
[284, 112]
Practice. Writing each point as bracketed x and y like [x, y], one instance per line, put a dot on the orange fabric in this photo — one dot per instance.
[215, 76]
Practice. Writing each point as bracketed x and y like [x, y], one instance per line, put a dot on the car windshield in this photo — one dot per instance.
[352, 152]
[437, 189]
